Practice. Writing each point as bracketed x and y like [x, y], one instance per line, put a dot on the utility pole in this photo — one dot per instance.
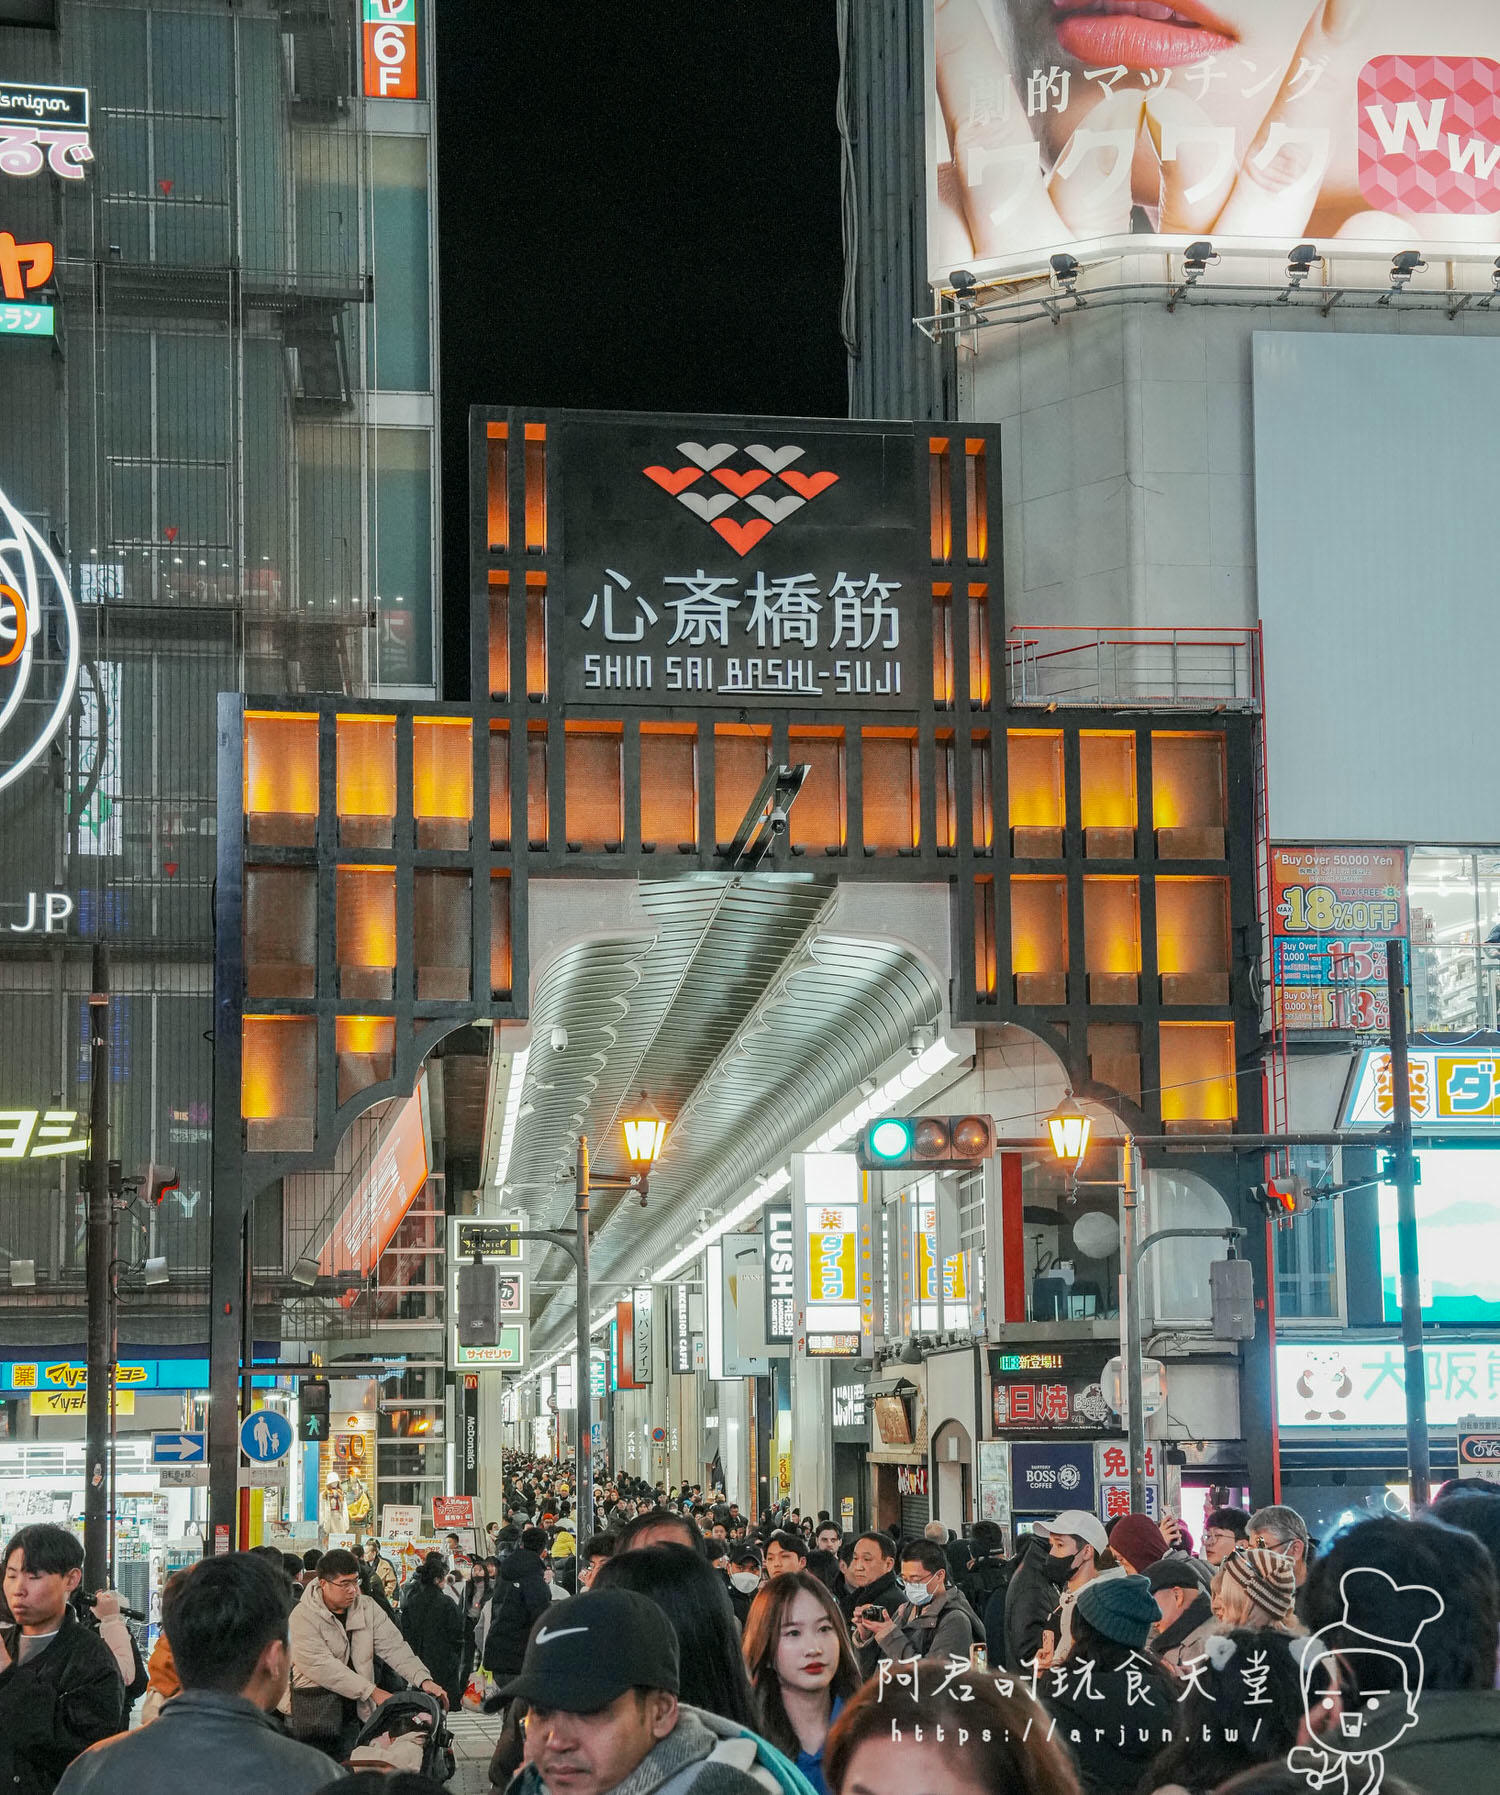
[1130, 1321]
[1403, 1168]
[583, 1505]
[97, 1280]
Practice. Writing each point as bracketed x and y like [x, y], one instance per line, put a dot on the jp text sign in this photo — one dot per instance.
[1334, 913]
[1457, 1089]
[1249, 123]
[1346, 1384]
[708, 564]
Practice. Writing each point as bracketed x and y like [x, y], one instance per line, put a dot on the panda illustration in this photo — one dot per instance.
[1324, 1385]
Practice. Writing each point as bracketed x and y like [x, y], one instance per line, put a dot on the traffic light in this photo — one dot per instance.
[942, 1142]
[478, 1320]
[1281, 1198]
[312, 1410]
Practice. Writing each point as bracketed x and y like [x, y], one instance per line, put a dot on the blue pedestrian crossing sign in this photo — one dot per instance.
[179, 1449]
[265, 1437]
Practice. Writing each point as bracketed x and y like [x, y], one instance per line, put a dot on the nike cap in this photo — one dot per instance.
[589, 1650]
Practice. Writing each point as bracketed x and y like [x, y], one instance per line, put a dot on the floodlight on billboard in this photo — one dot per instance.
[1058, 123]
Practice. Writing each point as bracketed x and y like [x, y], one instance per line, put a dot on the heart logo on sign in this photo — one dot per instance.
[741, 485]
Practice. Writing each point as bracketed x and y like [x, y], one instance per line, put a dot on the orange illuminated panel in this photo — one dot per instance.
[976, 499]
[1198, 1088]
[499, 785]
[985, 969]
[500, 935]
[942, 645]
[742, 752]
[499, 637]
[366, 781]
[535, 471]
[1039, 939]
[669, 785]
[1112, 939]
[1192, 940]
[594, 784]
[279, 1082]
[889, 788]
[1035, 770]
[365, 1047]
[536, 635]
[497, 485]
[1107, 793]
[1189, 799]
[940, 498]
[281, 778]
[365, 931]
[442, 779]
[817, 818]
[536, 784]
[281, 926]
[982, 793]
[979, 645]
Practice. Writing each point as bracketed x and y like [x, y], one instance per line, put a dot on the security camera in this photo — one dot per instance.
[778, 822]
[559, 1040]
[962, 281]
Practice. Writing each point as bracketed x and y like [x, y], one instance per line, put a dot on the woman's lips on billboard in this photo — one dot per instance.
[1138, 34]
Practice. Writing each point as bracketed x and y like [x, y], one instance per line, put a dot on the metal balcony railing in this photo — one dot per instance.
[1158, 668]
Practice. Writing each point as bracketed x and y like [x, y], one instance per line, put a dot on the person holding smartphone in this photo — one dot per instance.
[873, 1596]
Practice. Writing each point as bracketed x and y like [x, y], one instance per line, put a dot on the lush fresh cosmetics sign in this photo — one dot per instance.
[707, 562]
[781, 1277]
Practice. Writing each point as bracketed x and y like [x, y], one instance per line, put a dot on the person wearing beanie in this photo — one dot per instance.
[1255, 1587]
[1114, 1705]
[1137, 1542]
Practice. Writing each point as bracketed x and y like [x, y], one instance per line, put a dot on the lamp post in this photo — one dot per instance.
[645, 1134]
[1070, 1128]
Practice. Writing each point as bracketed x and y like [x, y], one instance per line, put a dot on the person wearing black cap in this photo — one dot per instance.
[1187, 1614]
[1113, 1703]
[600, 1681]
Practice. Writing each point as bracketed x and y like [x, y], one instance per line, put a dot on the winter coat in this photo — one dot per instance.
[386, 1572]
[434, 1630]
[1187, 1636]
[328, 1653]
[1453, 1744]
[887, 1594]
[943, 1628]
[202, 1740]
[988, 1576]
[702, 1755]
[1112, 1724]
[524, 1593]
[1028, 1605]
[63, 1699]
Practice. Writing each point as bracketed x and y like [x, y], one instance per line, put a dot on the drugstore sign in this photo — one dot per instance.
[1341, 1384]
[76, 1402]
[1450, 1088]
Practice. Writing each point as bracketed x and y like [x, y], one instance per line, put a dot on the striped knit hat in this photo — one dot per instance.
[1265, 1576]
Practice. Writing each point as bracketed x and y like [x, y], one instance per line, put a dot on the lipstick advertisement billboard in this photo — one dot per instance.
[1059, 122]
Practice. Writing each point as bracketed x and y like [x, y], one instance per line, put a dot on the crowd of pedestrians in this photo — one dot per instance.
[661, 1644]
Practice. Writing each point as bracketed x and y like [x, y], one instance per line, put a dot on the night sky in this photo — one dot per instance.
[638, 209]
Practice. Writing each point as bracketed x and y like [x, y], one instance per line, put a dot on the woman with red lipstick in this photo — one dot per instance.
[1229, 118]
[801, 1666]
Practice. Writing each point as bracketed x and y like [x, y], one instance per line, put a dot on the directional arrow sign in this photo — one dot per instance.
[265, 1437]
[179, 1449]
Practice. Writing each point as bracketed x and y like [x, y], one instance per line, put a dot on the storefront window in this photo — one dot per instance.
[1072, 1245]
[1455, 938]
[1307, 1284]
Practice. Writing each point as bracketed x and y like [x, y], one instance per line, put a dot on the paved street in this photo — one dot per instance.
[474, 1737]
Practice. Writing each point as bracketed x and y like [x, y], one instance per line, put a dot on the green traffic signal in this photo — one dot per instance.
[890, 1139]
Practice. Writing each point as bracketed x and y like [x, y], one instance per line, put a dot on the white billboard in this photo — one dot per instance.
[1059, 122]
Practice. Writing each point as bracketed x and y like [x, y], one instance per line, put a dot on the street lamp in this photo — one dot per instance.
[1070, 1129]
[645, 1135]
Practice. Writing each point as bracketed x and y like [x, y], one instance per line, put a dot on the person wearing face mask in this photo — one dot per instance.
[1032, 1597]
[934, 1621]
[745, 1578]
[1085, 1552]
